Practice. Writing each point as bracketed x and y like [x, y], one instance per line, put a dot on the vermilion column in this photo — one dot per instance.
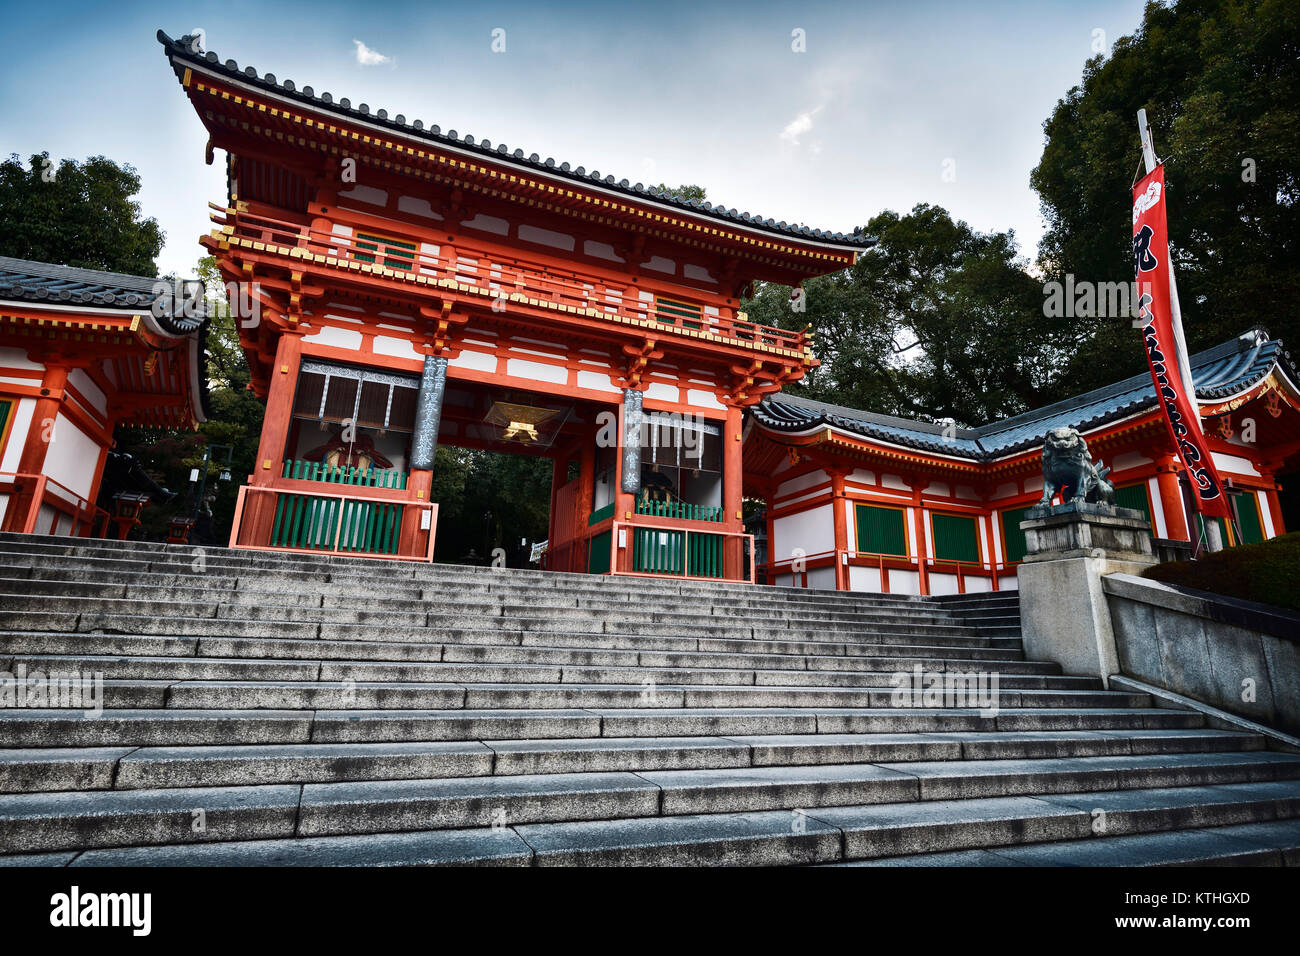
[841, 530]
[37, 445]
[733, 562]
[1171, 501]
[918, 523]
[259, 507]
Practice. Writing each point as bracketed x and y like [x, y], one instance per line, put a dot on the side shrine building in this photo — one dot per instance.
[399, 286]
[866, 502]
[82, 351]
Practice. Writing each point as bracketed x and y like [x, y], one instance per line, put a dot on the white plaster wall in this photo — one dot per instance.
[701, 398]
[864, 579]
[1158, 508]
[537, 371]
[336, 337]
[800, 483]
[596, 380]
[1233, 463]
[72, 457]
[479, 361]
[823, 579]
[943, 583]
[398, 348]
[812, 530]
[1265, 516]
[18, 434]
[904, 582]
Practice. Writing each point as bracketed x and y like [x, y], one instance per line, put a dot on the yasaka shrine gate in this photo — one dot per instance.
[402, 288]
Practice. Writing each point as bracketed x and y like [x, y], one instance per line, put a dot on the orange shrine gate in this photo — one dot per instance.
[403, 286]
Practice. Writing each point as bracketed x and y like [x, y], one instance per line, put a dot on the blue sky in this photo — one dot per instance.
[887, 98]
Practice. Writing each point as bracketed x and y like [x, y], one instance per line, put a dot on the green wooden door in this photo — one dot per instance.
[881, 530]
[1013, 539]
[955, 538]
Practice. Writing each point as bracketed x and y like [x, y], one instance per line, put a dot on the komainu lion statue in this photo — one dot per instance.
[1069, 469]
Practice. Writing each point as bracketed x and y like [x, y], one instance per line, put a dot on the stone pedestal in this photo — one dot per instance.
[1063, 612]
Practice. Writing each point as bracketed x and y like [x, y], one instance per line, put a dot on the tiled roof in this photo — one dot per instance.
[24, 280]
[1218, 372]
[184, 50]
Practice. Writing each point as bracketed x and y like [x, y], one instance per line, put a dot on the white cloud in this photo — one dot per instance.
[369, 57]
[799, 125]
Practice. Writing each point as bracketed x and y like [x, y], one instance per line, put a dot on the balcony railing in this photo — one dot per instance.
[65, 511]
[679, 509]
[494, 274]
[798, 567]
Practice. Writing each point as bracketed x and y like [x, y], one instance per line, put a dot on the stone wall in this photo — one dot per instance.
[1235, 655]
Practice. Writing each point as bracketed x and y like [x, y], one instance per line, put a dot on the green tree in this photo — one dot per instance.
[76, 214]
[937, 320]
[1220, 80]
[686, 191]
[235, 421]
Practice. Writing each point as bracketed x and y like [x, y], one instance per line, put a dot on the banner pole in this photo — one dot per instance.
[1213, 538]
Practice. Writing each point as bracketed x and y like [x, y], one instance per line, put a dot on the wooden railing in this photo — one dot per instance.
[346, 524]
[677, 552]
[679, 509]
[798, 567]
[24, 496]
[333, 522]
[497, 275]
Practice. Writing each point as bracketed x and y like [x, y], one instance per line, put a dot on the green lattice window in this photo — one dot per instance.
[1013, 539]
[1135, 497]
[955, 538]
[881, 530]
[1248, 519]
[598, 553]
[397, 254]
[674, 312]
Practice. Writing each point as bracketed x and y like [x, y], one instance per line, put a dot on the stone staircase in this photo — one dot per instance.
[262, 708]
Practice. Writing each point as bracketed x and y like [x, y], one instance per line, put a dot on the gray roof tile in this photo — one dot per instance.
[1219, 372]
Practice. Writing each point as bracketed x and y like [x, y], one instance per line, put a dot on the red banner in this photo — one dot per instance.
[1151, 264]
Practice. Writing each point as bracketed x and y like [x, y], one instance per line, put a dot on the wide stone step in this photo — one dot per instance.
[23, 728]
[344, 572]
[31, 823]
[782, 838]
[259, 600]
[392, 695]
[127, 647]
[1272, 843]
[270, 669]
[125, 768]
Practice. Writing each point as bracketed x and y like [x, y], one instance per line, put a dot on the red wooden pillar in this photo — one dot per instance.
[586, 503]
[1275, 510]
[37, 445]
[259, 508]
[990, 529]
[1171, 500]
[918, 522]
[413, 539]
[841, 530]
[733, 562]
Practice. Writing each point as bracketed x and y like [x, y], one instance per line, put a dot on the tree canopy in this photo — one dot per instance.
[938, 320]
[76, 214]
[1220, 80]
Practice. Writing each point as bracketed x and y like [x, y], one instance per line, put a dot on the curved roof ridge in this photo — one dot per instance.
[1222, 370]
[185, 49]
